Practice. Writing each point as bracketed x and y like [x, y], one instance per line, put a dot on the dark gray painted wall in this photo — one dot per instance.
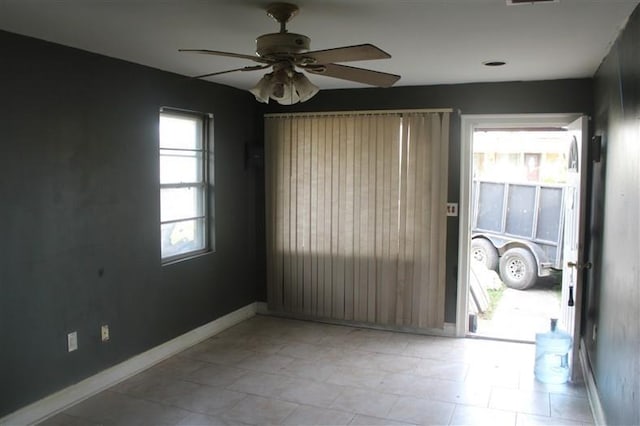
[556, 96]
[79, 196]
[613, 286]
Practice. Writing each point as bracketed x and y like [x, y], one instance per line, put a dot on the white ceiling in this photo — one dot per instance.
[431, 41]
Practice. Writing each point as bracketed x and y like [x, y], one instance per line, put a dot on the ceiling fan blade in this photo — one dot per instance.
[251, 68]
[229, 54]
[359, 75]
[360, 52]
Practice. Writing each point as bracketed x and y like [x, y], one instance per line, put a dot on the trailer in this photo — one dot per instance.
[517, 229]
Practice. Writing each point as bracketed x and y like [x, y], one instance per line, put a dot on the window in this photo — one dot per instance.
[183, 184]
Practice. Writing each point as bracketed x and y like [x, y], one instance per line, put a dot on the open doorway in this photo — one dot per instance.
[520, 180]
[519, 176]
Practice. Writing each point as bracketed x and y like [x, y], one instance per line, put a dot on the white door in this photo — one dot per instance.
[574, 262]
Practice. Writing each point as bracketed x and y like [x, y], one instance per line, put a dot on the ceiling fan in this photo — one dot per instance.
[285, 52]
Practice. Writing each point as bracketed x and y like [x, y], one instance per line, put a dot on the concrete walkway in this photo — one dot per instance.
[521, 314]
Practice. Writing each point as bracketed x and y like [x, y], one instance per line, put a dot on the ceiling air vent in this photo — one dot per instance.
[517, 2]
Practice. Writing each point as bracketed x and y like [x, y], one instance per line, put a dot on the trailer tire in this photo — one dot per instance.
[518, 268]
[483, 251]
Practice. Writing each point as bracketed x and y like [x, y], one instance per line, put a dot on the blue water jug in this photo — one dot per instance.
[552, 355]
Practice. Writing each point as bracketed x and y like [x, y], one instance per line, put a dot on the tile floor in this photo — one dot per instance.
[269, 370]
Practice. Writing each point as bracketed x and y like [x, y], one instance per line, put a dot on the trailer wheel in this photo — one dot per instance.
[518, 268]
[483, 251]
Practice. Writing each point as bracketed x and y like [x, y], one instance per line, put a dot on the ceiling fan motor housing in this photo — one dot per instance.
[281, 44]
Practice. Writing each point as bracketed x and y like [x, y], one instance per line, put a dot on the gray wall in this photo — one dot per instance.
[613, 285]
[556, 96]
[79, 215]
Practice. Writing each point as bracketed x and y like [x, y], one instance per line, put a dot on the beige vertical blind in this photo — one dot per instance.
[356, 216]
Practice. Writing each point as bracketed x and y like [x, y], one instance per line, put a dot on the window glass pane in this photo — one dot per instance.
[180, 132]
[180, 166]
[183, 237]
[181, 203]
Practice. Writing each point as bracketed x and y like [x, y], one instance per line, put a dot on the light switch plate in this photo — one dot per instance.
[452, 209]
[72, 341]
[104, 332]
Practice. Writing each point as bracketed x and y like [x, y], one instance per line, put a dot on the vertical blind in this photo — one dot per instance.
[356, 216]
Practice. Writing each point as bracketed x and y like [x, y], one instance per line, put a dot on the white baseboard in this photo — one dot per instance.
[592, 390]
[67, 397]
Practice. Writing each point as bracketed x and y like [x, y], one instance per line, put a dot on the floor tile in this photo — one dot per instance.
[300, 350]
[306, 415]
[255, 343]
[386, 346]
[315, 370]
[532, 420]
[270, 370]
[267, 363]
[359, 419]
[441, 369]
[530, 402]
[393, 363]
[310, 392]
[405, 384]
[264, 384]
[151, 384]
[113, 408]
[429, 347]
[64, 419]
[570, 408]
[257, 410]
[197, 419]
[347, 357]
[466, 415]
[215, 375]
[457, 392]
[179, 367]
[227, 355]
[421, 411]
[495, 375]
[357, 377]
[204, 399]
[366, 402]
[529, 382]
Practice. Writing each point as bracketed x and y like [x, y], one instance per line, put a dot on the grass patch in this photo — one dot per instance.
[494, 299]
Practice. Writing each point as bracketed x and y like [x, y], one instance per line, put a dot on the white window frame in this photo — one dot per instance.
[202, 185]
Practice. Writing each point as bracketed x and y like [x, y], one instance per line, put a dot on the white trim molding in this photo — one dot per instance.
[590, 384]
[65, 398]
[468, 124]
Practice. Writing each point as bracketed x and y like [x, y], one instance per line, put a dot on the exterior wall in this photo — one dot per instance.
[79, 191]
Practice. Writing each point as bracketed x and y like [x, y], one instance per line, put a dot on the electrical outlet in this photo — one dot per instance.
[72, 341]
[104, 332]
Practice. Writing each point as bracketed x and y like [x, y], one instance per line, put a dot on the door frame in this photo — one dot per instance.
[468, 124]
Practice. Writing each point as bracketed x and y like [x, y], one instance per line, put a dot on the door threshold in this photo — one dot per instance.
[497, 338]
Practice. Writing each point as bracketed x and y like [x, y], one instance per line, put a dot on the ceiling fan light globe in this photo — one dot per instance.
[278, 90]
[263, 89]
[287, 96]
[304, 87]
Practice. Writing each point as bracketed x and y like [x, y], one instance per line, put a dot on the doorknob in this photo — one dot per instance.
[586, 265]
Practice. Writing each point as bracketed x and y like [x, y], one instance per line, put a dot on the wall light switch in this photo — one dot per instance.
[452, 209]
[104, 332]
[72, 341]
